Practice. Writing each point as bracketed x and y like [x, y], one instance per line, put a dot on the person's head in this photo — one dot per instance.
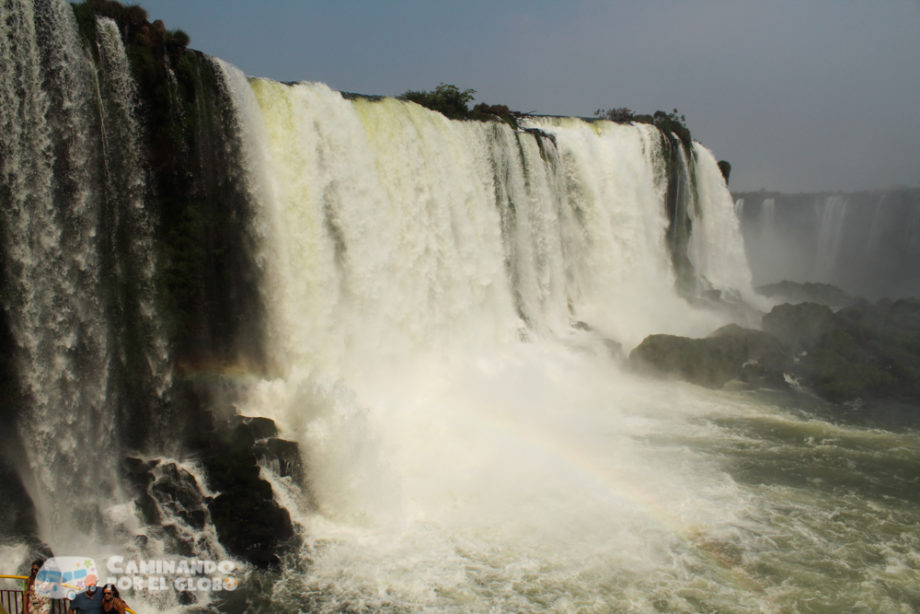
[109, 591]
[36, 566]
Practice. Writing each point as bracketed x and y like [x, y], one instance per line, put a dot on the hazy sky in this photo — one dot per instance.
[799, 95]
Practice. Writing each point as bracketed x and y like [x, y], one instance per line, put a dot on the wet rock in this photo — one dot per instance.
[863, 352]
[800, 326]
[139, 474]
[180, 493]
[730, 353]
[249, 523]
[281, 455]
[170, 500]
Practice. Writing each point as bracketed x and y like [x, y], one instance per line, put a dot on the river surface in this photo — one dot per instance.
[549, 481]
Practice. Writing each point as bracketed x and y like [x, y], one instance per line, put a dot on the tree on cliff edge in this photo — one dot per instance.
[446, 98]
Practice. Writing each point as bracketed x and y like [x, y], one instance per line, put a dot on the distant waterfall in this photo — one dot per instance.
[864, 242]
[831, 214]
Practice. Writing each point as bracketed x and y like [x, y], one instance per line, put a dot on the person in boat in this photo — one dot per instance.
[87, 602]
[111, 600]
[33, 601]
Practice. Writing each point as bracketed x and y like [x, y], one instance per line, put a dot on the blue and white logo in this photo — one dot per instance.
[62, 577]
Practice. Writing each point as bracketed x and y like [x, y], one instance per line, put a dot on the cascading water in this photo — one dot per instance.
[79, 291]
[832, 216]
[130, 241]
[445, 452]
[51, 207]
[716, 246]
[863, 242]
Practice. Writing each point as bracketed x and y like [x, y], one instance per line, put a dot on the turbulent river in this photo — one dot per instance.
[542, 480]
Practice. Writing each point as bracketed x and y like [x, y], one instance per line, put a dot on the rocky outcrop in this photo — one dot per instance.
[865, 352]
[248, 521]
[730, 353]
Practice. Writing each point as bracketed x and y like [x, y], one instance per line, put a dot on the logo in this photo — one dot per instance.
[62, 577]
[182, 575]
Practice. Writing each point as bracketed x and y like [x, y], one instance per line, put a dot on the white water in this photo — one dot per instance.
[71, 163]
[830, 236]
[716, 246]
[469, 449]
[51, 234]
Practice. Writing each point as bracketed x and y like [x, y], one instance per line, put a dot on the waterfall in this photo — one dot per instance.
[80, 299]
[382, 216]
[832, 217]
[716, 246]
[384, 227]
[615, 248]
[375, 356]
[130, 244]
[428, 283]
[52, 195]
[861, 242]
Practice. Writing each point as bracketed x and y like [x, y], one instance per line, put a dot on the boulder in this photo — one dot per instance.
[800, 326]
[249, 523]
[730, 353]
[863, 352]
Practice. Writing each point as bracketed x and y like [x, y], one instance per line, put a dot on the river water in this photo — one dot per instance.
[557, 483]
